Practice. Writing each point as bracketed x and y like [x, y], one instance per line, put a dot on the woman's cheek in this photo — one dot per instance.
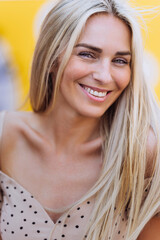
[123, 79]
[75, 71]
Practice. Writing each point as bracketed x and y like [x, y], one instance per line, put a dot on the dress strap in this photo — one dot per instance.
[2, 115]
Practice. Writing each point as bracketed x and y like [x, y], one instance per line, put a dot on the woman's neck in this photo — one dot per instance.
[72, 131]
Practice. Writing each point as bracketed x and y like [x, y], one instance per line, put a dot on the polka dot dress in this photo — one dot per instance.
[24, 218]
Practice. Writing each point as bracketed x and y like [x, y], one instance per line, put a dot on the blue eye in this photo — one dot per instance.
[120, 61]
[87, 55]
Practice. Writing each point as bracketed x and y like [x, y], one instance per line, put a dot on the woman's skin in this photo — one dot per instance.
[151, 231]
[61, 152]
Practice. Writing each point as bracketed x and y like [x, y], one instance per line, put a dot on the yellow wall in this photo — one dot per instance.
[16, 25]
[152, 39]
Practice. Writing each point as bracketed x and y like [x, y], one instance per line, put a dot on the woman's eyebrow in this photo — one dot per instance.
[123, 53]
[96, 49]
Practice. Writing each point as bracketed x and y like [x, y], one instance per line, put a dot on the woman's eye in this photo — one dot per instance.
[87, 55]
[121, 61]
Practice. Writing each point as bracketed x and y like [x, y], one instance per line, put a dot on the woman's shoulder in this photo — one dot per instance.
[19, 135]
[151, 230]
[151, 151]
[151, 143]
[16, 127]
[14, 122]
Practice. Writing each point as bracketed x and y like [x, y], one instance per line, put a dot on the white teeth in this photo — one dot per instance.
[95, 93]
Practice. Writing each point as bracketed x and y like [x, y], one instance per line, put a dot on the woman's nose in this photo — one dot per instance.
[102, 72]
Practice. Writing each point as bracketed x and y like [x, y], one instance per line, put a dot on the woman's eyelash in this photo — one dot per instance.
[87, 54]
[91, 55]
[121, 61]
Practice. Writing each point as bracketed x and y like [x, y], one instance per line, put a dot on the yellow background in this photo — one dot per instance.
[16, 26]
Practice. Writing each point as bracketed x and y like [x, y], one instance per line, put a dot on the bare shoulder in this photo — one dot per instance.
[151, 230]
[151, 151]
[151, 144]
[16, 130]
[15, 123]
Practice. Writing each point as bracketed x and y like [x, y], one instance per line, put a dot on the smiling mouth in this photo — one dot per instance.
[95, 93]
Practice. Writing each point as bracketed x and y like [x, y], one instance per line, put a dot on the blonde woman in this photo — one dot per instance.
[85, 164]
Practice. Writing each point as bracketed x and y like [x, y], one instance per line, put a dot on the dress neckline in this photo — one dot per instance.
[44, 209]
[60, 210]
[63, 211]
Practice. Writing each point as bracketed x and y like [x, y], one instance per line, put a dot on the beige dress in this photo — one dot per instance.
[23, 217]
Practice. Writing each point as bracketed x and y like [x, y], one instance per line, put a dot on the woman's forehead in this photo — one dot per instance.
[106, 29]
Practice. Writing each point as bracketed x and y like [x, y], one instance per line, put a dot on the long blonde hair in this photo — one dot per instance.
[125, 126]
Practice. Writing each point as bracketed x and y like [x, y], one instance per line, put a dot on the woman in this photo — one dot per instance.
[85, 163]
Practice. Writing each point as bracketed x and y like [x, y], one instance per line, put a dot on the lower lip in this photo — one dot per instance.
[97, 99]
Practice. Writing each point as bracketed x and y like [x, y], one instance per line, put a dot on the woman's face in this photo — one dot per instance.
[99, 67]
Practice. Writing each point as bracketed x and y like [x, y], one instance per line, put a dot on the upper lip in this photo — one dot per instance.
[95, 88]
